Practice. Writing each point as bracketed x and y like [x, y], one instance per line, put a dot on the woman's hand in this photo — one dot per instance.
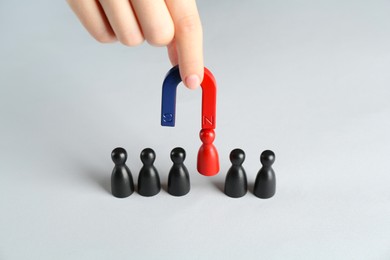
[172, 23]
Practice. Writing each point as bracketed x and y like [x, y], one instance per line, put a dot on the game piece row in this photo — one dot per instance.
[236, 184]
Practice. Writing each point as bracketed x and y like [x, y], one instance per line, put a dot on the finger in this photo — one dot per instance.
[91, 15]
[172, 53]
[155, 21]
[123, 21]
[188, 37]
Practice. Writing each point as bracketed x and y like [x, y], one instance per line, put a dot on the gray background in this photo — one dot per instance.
[307, 79]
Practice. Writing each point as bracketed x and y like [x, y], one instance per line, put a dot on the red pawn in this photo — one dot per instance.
[208, 159]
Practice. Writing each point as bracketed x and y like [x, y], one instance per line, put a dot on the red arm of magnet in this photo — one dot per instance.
[209, 100]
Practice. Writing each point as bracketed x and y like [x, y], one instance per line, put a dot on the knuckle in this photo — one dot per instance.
[188, 24]
[103, 37]
[161, 36]
[131, 41]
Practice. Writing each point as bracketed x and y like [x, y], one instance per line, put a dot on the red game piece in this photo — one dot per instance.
[208, 159]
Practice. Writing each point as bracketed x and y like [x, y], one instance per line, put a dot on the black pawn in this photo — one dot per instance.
[265, 183]
[178, 178]
[122, 184]
[236, 184]
[148, 179]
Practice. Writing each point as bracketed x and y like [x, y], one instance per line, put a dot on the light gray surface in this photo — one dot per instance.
[307, 79]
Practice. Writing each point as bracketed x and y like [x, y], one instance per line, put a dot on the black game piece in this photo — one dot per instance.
[265, 183]
[148, 179]
[236, 184]
[122, 184]
[178, 178]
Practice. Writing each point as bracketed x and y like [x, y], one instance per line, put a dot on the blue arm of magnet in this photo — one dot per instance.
[168, 103]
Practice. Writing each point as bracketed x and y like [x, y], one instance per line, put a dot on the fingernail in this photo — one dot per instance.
[192, 81]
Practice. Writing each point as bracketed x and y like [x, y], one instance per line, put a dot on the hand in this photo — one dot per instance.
[172, 23]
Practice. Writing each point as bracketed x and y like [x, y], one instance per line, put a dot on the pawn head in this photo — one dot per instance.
[237, 157]
[267, 158]
[148, 156]
[119, 155]
[178, 155]
[207, 136]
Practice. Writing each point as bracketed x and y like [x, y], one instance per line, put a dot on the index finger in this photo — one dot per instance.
[189, 40]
